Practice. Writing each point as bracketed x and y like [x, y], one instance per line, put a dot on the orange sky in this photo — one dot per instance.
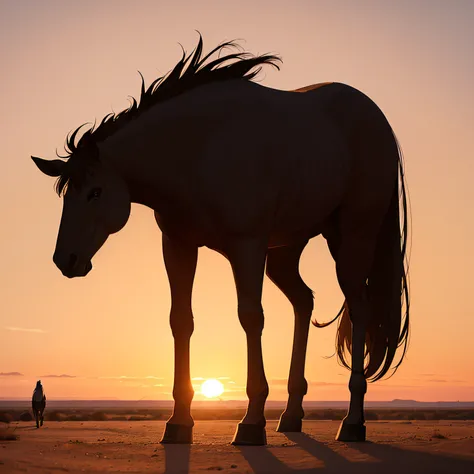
[66, 63]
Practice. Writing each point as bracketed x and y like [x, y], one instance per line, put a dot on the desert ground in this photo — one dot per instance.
[427, 447]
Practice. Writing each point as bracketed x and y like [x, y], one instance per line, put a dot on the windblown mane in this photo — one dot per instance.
[190, 72]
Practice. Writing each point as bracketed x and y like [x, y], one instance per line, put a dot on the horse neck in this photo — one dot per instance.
[155, 152]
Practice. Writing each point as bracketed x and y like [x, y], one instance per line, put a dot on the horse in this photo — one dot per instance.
[253, 173]
[38, 402]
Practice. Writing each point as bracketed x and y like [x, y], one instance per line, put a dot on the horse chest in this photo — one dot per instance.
[188, 227]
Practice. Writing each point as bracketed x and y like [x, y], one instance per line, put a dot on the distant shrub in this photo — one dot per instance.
[417, 415]
[6, 417]
[26, 416]
[73, 418]
[53, 416]
[8, 434]
[328, 415]
[439, 435]
[215, 414]
[98, 416]
[336, 414]
[371, 415]
[136, 418]
[393, 415]
[464, 415]
[159, 416]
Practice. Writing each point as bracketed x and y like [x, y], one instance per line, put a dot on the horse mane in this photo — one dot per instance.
[191, 71]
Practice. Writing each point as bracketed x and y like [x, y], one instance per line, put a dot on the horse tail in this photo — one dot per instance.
[328, 323]
[387, 286]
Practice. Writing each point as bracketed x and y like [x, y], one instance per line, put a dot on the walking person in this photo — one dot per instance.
[38, 403]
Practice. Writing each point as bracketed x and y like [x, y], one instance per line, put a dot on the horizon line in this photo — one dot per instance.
[3, 399]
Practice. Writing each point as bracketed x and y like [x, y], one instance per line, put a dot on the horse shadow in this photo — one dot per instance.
[177, 458]
[385, 459]
[262, 461]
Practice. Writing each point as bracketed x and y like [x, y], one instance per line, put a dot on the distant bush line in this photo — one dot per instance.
[144, 414]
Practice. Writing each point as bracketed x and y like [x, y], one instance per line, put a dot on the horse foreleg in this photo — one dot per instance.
[247, 259]
[282, 269]
[180, 262]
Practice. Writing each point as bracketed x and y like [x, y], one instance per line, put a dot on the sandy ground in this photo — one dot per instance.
[394, 447]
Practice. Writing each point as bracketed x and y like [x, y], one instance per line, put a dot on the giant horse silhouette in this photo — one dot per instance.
[252, 173]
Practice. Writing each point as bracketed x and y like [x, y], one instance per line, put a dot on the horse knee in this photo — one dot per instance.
[357, 383]
[251, 318]
[182, 323]
[297, 386]
[183, 394]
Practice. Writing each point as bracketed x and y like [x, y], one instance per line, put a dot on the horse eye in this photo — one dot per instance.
[94, 194]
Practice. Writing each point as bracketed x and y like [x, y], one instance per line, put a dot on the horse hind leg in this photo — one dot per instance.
[282, 269]
[353, 264]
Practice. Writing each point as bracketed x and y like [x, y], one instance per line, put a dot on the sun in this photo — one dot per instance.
[212, 388]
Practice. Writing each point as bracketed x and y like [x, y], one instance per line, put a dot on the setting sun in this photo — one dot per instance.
[212, 388]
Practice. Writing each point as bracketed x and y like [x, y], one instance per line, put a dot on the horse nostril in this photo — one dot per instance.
[72, 260]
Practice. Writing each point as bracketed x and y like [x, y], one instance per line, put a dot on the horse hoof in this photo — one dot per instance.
[177, 434]
[289, 424]
[250, 435]
[351, 432]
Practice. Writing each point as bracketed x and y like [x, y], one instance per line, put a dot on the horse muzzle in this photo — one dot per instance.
[72, 266]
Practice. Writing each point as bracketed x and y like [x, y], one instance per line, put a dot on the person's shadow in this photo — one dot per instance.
[28, 428]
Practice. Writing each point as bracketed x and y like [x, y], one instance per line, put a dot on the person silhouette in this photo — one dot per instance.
[38, 403]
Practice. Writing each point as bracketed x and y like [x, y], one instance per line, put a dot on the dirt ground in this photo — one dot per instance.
[400, 447]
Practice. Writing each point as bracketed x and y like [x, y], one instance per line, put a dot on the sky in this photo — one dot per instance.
[108, 335]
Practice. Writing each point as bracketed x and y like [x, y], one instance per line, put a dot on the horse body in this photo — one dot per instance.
[252, 173]
[285, 175]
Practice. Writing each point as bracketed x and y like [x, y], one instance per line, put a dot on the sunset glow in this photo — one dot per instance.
[107, 336]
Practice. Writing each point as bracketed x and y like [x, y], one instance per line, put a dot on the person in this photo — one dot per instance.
[39, 403]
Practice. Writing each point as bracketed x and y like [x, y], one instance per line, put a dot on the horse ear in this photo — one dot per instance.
[49, 167]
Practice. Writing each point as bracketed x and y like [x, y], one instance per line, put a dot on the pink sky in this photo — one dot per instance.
[66, 63]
